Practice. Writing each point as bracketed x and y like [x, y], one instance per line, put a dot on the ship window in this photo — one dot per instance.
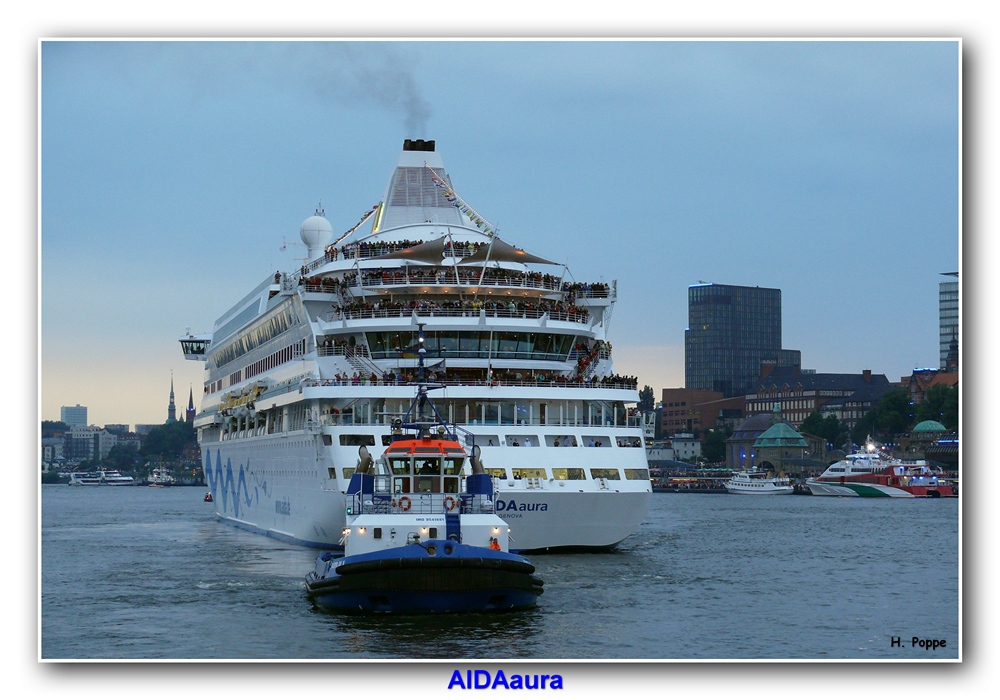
[427, 484]
[328, 440]
[560, 440]
[356, 440]
[637, 474]
[399, 465]
[386, 440]
[432, 533]
[571, 473]
[348, 472]
[453, 466]
[529, 474]
[605, 474]
[377, 533]
[488, 440]
[427, 465]
[497, 472]
[522, 441]
[596, 441]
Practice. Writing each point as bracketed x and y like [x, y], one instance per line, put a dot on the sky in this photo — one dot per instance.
[174, 172]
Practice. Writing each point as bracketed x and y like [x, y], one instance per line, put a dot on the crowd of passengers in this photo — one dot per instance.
[449, 275]
[476, 378]
[531, 309]
[373, 249]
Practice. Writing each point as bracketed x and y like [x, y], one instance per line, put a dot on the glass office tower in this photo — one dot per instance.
[948, 321]
[733, 331]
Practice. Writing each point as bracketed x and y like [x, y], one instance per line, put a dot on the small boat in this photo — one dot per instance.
[208, 497]
[758, 483]
[869, 474]
[421, 533]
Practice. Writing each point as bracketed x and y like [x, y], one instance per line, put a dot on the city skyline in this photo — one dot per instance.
[175, 175]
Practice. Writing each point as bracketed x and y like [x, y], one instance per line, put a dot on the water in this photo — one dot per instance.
[140, 573]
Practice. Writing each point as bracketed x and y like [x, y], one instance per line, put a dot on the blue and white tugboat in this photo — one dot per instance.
[421, 533]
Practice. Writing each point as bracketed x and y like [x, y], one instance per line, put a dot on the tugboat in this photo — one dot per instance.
[421, 534]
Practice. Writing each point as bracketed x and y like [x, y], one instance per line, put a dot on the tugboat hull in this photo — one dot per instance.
[437, 576]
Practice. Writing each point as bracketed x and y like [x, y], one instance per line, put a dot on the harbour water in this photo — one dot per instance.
[134, 573]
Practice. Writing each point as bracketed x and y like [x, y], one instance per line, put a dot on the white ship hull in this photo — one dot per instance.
[276, 486]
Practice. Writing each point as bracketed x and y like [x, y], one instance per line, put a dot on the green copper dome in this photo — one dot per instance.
[780, 435]
[929, 426]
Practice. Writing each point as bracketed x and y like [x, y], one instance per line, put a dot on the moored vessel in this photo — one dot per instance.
[315, 363]
[756, 482]
[869, 474]
[102, 477]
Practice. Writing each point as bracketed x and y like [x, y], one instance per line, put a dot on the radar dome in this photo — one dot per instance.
[317, 233]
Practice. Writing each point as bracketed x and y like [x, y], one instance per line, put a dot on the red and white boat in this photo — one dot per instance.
[868, 474]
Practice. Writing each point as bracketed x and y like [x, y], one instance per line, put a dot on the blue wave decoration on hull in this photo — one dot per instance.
[229, 487]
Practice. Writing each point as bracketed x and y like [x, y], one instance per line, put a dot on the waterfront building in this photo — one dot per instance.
[686, 447]
[52, 452]
[767, 441]
[798, 394]
[923, 379]
[87, 442]
[116, 428]
[73, 415]
[948, 322]
[732, 332]
[779, 449]
[697, 410]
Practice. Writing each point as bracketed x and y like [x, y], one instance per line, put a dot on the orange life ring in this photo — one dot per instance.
[449, 503]
[404, 503]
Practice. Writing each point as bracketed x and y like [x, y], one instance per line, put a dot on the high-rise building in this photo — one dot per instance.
[732, 332]
[948, 322]
[73, 415]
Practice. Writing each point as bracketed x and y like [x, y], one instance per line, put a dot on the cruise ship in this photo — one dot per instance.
[314, 364]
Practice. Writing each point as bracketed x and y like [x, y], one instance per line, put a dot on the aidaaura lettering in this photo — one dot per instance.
[481, 680]
[513, 505]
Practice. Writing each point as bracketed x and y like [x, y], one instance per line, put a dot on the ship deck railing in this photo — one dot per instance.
[449, 280]
[385, 419]
[562, 384]
[422, 503]
[403, 312]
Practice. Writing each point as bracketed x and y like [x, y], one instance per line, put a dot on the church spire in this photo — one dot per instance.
[172, 409]
[189, 416]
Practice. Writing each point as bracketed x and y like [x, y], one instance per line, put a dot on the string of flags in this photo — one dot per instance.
[364, 218]
[459, 203]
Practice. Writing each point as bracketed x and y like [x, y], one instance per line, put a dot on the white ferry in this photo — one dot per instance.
[104, 477]
[756, 482]
[311, 365]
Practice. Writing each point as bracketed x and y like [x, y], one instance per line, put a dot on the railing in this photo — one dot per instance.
[380, 419]
[582, 316]
[562, 383]
[383, 502]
